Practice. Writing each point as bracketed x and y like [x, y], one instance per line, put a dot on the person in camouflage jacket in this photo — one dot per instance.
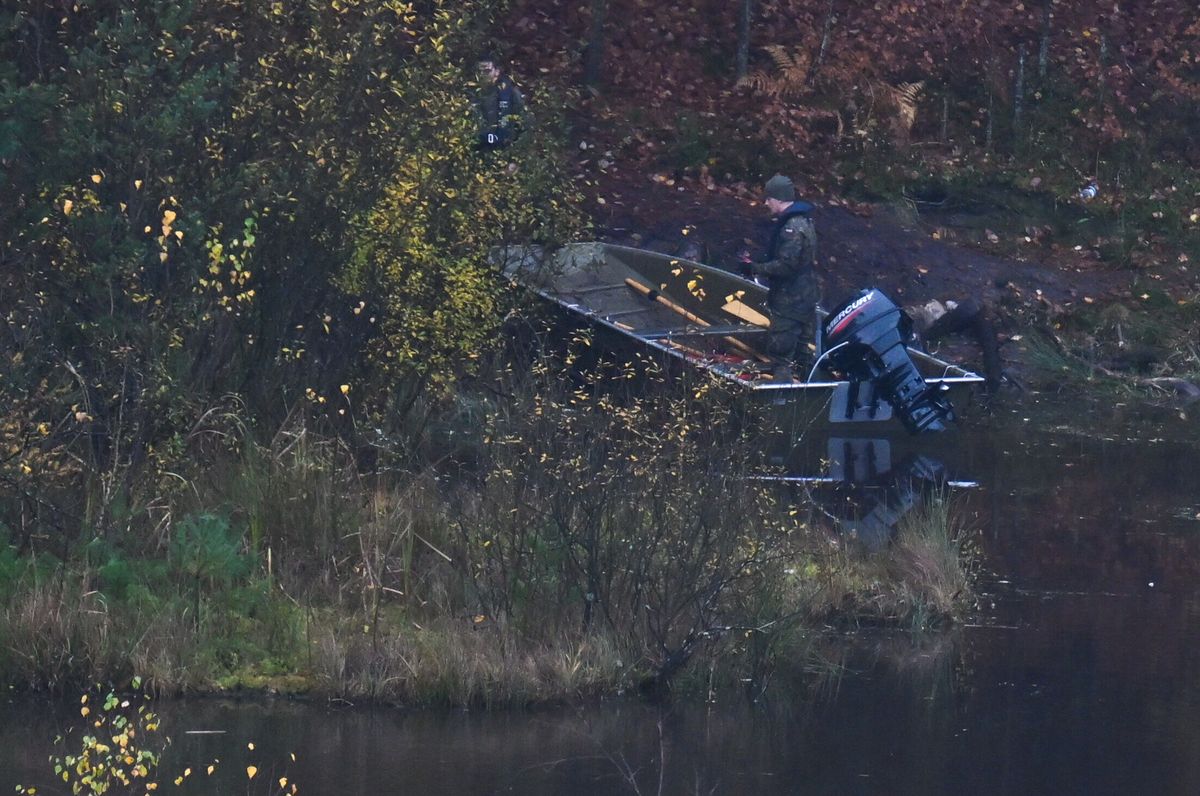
[790, 271]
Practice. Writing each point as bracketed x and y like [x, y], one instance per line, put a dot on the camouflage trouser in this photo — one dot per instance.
[792, 316]
[788, 338]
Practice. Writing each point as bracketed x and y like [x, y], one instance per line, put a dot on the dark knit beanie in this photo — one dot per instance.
[781, 188]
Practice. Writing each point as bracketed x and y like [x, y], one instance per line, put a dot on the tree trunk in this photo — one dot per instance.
[743, 41]
[1019, 94]
[825, 31]
[946, 116]
[991, 106]
[593, 57]
[1044, 43]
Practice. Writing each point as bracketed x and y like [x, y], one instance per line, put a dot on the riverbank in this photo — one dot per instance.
[1062, 313]
[574, 541]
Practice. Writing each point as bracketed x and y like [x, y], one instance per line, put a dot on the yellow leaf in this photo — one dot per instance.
[283, 782]
[96, 178]
[345, 391]
[137, 184]
[67, 205]
[168, 217]
[250, 746]
[251, 771]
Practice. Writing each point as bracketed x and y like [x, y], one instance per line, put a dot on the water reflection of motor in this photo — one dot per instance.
[870, 512]
[866, 338]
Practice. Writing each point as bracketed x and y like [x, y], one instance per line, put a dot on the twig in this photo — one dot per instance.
[431, 547]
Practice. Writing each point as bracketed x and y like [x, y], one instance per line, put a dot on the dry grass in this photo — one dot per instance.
[460, 662]
[929, 564]
[56, 634]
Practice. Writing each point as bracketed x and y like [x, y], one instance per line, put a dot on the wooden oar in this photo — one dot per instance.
[654, 295]
[680, 347]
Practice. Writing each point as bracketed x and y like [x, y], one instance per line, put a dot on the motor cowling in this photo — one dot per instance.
[866, 339]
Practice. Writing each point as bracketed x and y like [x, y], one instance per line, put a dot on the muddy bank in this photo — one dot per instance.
[912, 257]
[860, 245]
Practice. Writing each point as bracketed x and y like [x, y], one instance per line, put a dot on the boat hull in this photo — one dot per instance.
[713, 321]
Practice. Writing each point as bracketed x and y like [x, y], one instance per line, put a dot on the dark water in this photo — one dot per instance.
[1079, 675]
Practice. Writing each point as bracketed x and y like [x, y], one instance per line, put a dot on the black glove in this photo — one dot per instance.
[745, 265]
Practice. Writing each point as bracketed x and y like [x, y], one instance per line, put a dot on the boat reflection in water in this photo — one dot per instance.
[864, 489]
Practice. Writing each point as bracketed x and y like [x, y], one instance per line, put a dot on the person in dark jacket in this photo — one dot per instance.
[790, 270]
[500, 104]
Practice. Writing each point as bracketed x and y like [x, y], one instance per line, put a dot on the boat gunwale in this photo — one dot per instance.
[968, 377]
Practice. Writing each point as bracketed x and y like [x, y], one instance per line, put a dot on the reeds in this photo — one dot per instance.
[462, 662]
[931, 564]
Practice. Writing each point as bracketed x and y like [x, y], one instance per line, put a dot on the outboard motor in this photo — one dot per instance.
[866, 338]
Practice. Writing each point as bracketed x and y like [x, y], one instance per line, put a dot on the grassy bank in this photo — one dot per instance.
[574, 535]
